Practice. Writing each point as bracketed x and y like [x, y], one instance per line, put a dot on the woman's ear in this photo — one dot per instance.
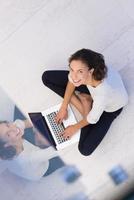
[91, 71]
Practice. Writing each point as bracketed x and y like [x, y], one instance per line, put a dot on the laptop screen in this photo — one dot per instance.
[39, 122]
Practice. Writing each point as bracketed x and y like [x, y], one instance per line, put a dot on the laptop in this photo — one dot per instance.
[46, 124]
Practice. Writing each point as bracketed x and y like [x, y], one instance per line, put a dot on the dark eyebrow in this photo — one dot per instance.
[72, 69]
[2, 122]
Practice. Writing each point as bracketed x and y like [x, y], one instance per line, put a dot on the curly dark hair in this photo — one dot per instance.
[93, 60]
[6, 153]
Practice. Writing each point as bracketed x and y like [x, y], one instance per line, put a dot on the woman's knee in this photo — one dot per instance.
[45, 77]
[85, 151]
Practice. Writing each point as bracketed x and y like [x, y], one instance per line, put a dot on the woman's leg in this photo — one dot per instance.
[57, 82]
[92, 135]
[86, 102]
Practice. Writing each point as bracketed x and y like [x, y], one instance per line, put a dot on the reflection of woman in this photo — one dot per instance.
[22, 157]
[100, 100]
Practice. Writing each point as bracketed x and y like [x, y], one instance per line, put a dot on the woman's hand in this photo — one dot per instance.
[62, 114]
[69, 131]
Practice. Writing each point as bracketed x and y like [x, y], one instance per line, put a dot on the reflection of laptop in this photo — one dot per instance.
[46, 124]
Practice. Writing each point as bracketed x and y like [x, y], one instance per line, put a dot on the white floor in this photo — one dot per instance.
[39, 35]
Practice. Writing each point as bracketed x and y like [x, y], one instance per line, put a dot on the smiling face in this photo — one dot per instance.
[80, 73]
[10, 133]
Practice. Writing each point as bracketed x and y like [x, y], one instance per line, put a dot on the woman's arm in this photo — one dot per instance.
[81, 124]
[63, 114]
[68, 93]
[72, 129]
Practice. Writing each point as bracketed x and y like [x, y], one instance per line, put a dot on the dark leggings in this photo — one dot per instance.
[92, 134]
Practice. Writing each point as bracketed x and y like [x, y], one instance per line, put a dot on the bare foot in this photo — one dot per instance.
[86, 102]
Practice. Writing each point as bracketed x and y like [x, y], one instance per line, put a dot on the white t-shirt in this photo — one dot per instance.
[32, 162]
[110, 95]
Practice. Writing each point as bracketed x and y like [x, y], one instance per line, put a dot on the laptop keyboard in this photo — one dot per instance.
[57, 128]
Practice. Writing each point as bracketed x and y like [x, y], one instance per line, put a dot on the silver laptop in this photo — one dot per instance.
[46, 123]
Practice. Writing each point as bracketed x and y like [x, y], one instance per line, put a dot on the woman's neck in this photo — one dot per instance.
[94, 83]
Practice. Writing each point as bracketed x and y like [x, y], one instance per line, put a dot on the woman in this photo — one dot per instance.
[22, 157]
[100, 100]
